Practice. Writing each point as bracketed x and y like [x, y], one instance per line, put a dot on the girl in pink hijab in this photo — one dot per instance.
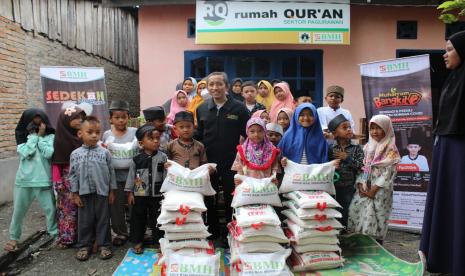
[262, 114]
[283, 99]
[179, 102]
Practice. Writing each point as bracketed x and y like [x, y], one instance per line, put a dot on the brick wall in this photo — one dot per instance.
[22, 54]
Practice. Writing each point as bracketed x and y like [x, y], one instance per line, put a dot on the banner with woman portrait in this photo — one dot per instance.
[84, 86]
[401, 89]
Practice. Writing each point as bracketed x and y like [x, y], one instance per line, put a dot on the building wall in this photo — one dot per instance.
[21, 55]
[163, 40]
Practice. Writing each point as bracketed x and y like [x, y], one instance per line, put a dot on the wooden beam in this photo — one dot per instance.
[71, 25]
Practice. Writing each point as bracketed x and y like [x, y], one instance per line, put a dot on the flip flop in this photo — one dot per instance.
[83, 254]
[138, 249]
[120, 240]
[105, 253]
[11, 246]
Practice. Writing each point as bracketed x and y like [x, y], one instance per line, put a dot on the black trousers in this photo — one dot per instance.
[94, 221]
[143, 206]
[222, 177]
[344, 197]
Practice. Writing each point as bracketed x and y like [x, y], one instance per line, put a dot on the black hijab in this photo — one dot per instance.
[234, 95]
[22, 131]
[452, 102]
[66, 139]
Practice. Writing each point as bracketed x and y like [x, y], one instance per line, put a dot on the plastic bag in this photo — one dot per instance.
[202, 265]
[315, 261]
[178, 218]
[165, 244]
[315, 177]
[301, 233]
[255, 191]
[175, 236]
[266, 264]
[313, 224]
[263, 233]
[317, 200]
[184, 202]
[182, 228]
[253, 247]
[256, 216]
[184, 179]
[307, 213]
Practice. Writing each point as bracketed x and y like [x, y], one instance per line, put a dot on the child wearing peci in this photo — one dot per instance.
[257, 157]
[93, 184]
[351, 156]
[371, 207]
[121, 141]
[34, 137]
[146, 174]
[66, 140]
[156, 117]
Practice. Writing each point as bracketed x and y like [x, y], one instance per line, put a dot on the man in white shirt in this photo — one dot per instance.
[334, 97]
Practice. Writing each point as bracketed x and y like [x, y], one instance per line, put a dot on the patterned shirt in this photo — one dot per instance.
[351, 166]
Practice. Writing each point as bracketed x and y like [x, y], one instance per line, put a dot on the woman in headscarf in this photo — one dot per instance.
[236, 90]
[443, 233]
[66, 140]
[197, 100]
[34, 139]
[284, 98]
[371, 206]
[265, 94]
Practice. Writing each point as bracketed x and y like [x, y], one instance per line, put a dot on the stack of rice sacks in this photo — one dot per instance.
[311, 217]
[181, 218]
[255, 233]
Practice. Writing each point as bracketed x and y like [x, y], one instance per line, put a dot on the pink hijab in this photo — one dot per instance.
[175, 107]
[288, 111]
[258, 113]
[384, 152]
[277, 104]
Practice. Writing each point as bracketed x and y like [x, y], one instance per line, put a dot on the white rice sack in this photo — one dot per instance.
[266, 264]
[256, 216]
[165, 244]
[183, 228]
[252, 247]
[298, 233]
[317, 247]
[312, 261]
[307, 213]
[177, 218]
[175, 236]
[184, 202]
[255, 191]
[185, 251]
[315, 177]
[333, 240]
[264, 233]
[313, 224]
[184, 179]
[200, 265]
[316, 200]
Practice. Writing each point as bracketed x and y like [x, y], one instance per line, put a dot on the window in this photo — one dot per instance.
[302, 69]
[454, 28]
[191, 28]
[406, 29]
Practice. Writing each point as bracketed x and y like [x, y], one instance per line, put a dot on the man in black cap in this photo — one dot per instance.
[156, 116]
[351, 156]
[221, 122]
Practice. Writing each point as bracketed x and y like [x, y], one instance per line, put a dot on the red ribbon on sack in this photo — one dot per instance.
[236, 266]
[321, 206]
[181, 221]
[184, 210]
[325, 229]
[163, 270]
[320, 217]
[257, 226]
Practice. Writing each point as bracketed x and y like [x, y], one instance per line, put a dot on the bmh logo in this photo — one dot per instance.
[216, 12]
[304, 38]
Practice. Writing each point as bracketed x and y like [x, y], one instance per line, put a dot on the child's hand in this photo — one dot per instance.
[372, 192]
[275, 181]
[341, 155]
[77, 200]
[284, 162]
[167, 165]
[211, 170]
[131, 199]
[327, 134]
[41, 129]
[336, 163]
[237, 181]
[111, 197]
[361, 192]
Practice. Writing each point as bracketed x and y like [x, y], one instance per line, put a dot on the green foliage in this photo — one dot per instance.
[451, 11]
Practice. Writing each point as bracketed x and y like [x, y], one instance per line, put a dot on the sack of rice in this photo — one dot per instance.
[315, 177]
[255, 191]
